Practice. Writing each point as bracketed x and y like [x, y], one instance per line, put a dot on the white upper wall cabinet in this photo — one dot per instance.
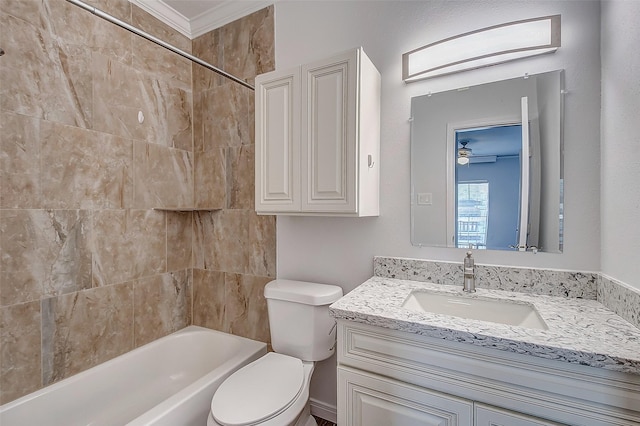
[318, 138]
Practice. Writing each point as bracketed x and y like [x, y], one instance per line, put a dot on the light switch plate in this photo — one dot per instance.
[424, 199]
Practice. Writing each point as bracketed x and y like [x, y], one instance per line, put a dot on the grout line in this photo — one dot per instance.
[133, 314]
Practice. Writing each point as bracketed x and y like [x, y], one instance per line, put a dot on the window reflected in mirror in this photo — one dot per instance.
[472, 213]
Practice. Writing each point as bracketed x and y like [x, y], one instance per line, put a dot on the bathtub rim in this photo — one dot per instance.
[224, 370]
[259, 349]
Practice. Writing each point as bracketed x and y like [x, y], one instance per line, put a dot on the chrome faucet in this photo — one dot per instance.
[469, 274]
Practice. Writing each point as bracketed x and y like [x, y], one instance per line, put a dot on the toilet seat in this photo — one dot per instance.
[259, 391]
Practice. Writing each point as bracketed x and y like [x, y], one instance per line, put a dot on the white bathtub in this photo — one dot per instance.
[167, 382]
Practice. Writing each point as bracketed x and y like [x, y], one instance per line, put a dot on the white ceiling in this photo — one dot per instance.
[196, 17]
[192, 8]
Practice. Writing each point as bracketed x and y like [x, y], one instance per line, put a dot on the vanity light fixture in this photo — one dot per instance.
[483, 48]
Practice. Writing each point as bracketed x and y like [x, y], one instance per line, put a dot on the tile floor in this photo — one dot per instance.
[323, 422]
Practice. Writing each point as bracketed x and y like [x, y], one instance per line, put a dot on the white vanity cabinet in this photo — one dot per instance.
[372, 400]
[318, 138]
[388, 377]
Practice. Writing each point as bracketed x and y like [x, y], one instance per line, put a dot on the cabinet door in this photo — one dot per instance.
[487, 415]
[277, 154]
[365, 399]
[328, 146]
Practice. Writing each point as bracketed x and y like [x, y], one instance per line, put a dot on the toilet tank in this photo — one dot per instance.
[299, 318]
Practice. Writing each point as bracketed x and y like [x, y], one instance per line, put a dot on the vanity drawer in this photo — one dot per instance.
[485, 415]
[554, 390]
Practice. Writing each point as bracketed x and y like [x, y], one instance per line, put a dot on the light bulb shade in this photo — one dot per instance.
[463, 160]
[482, 48]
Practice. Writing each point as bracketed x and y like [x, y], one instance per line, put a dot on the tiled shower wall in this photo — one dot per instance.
[88, 269]
[234, 249]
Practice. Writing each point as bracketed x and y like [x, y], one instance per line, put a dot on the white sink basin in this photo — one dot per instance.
[491, 310]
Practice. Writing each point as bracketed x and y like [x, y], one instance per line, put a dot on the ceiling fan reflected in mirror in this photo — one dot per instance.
[464, 153]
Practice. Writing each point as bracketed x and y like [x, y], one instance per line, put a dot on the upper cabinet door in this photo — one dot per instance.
[278, 141]
[328, 146]
[318, 138]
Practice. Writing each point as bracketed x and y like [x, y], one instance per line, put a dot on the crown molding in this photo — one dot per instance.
[165, 13]
[221, 14]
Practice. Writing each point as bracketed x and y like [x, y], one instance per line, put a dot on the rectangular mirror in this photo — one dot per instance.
[486, 166]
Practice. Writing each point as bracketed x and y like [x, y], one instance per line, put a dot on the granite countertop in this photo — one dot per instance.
[579, 331]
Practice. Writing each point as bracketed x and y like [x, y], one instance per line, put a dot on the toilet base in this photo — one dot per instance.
[306, 419]
[311, 422]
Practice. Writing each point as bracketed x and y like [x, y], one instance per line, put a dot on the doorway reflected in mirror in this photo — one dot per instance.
[488, 187]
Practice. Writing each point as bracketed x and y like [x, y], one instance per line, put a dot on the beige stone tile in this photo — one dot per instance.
[121, 9]
[161, 63]
[179, 240]
[174, 109]
[250, 40]
[52, 81]
[210, 179]
[261, 245]
[198, 122]
[83, 329]
[245, 307]
[238, 241]
[209, 48]
[163, 177]
[71, 25]
[128, 244]
[204, 78]
[208, 299]
[121, 92]
[119, 96]
[157, 28]
[162, 305]
[202, 242]
[19, 161]
[225, 110]
[221, 240]
[44, 253]
[85, 169]
[241, 177]
[251, 117]
[20, 362]
[24, 10]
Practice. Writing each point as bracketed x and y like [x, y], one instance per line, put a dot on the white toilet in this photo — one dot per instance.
[274, 390]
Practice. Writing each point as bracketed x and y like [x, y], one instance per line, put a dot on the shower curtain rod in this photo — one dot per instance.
[157, 41]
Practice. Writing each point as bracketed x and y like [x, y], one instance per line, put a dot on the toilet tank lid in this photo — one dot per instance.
[302, 292]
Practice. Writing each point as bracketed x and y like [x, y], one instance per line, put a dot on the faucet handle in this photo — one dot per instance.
[469, 263]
